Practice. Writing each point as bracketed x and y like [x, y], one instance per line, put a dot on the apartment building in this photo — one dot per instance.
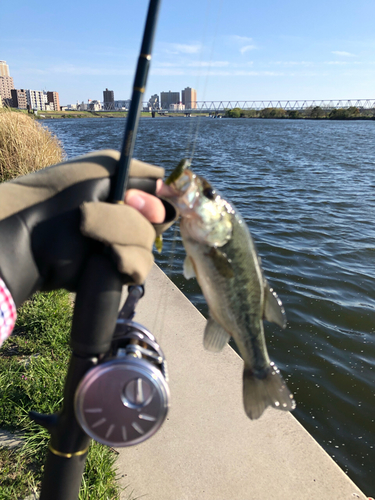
[6, 86]
[4, 69]
[168, 98]
[19, 98]
[189, 98]
[53, 100]
[36, 99]
[108, 99]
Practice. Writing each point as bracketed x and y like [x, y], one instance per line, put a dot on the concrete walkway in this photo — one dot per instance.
[9, 440]
[208, 449]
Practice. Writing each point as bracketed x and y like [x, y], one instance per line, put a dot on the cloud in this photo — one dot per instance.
[337, 63]
[293, 63]
[246, 48]
[241, 39]
[342, 53]
[183, 48]
[84, 70]
[211, 72]
[209, 64]
[245, 43]
[168, 72]
[193, 64]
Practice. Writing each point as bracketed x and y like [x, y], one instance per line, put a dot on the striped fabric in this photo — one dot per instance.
[8, 313]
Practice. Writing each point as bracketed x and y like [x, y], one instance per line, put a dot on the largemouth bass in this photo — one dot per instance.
[222, 255]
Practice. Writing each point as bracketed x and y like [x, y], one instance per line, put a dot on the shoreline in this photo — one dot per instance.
[208, 448]
[57, 115]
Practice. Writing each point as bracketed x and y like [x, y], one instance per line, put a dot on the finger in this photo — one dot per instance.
[163, 190]
[149, 206]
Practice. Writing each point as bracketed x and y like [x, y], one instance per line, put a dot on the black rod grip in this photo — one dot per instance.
[96, 308]
[69, 444]
[62, 477]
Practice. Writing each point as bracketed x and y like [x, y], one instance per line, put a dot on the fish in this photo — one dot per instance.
[221, 254]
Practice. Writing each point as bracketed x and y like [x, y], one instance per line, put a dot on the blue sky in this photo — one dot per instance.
[226, 49]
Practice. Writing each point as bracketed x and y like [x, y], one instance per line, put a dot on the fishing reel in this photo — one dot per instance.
[124, 399]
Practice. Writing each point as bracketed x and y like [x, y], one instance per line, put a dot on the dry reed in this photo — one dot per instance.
[25, 145]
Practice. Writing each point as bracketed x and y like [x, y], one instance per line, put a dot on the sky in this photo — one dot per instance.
[226, 49]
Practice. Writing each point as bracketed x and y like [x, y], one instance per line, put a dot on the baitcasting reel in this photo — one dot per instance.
[124, 399]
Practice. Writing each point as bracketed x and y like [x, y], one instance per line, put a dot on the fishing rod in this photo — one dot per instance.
[134, 111]
[101, 341]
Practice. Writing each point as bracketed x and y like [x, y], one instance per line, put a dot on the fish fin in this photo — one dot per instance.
[189, 271]
[273, 307]
[221, 262]
[215, 337]
[271, 390]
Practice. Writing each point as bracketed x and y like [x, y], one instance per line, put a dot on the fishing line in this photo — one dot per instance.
[160, 316]
[191, 136]
[210, 59]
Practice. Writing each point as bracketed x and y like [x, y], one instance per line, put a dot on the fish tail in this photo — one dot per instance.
[267, 389]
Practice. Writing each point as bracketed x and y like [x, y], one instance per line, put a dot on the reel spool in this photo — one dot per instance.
[124, 399]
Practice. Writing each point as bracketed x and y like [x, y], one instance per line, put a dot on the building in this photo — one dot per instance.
[153, 102]
[6, 86]
[94, 105]
[108, 99]
[168, 98]
[71, 107]
[4, 69]
[177, 107]
[83, 106]
[189, 98]
[53, 100]
[36, 99]
[19, 98]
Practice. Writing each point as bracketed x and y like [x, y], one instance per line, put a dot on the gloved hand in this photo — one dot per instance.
[51, 221]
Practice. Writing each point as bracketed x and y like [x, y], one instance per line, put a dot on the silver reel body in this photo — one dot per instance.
[125, 398]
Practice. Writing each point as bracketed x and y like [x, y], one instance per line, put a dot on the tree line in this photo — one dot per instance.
[314, 113]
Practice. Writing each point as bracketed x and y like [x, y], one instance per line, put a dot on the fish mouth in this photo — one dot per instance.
[178, 172]
[182, 186]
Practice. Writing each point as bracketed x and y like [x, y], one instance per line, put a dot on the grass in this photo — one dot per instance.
[25, 146]
[81, 114]
[33, 364]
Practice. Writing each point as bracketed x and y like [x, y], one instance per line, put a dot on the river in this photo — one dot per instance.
[307, 191]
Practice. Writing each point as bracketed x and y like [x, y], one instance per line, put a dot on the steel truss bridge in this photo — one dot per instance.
[287, 105]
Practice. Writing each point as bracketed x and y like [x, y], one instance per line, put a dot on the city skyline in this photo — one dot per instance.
[24, 98]
[21, 96]
[226, 50]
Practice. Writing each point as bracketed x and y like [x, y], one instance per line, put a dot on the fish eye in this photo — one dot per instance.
[209, 192]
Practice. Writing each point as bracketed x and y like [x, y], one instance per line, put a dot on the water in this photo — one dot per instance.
[307, 192]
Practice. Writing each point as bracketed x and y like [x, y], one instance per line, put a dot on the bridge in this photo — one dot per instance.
[288, 105]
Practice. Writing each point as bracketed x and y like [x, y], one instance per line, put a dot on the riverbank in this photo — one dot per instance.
[207, 447]
[45, 115]
[310, 113]
[50, 115]
[263, 114]
[267, 113]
